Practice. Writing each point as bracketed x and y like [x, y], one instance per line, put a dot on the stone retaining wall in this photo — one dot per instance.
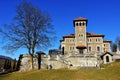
[59, 61]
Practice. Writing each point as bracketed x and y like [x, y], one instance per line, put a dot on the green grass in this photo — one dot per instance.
[110, 72]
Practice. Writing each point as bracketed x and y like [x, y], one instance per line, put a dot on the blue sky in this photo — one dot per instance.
[103, 16]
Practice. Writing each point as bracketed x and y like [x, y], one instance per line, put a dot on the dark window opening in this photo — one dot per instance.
[76, 24]
[107, 59]
[80, 24]
[81, 51]
[62, 50]
[104, 44]
[96, 40]
[83, 23]
[98, 49]
[90, 40]
[89, 48]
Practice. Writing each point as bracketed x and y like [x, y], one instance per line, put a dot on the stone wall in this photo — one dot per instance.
[79, 61]
[60, 61]
[25, 63]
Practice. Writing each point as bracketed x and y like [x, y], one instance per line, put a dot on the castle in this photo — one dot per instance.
[79, 50]
[82, 41]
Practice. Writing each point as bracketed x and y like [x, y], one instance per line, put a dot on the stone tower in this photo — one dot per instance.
[80, 34]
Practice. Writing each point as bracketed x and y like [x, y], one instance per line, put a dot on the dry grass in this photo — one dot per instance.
[111, 72]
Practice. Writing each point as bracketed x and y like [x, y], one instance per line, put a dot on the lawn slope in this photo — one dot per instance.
[110, 72]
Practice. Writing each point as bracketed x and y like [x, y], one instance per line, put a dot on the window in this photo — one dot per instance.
[89, 40]
[80, 24]
[72, 40]
[80, 37]
[76, 24]
[83, 23]
[97, 40]
[104, 49]
[81, 51]
[98, 48]
[71, 48]
[104, 45]
[89, 48]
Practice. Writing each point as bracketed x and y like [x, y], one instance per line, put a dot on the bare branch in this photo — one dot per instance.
[31, 28]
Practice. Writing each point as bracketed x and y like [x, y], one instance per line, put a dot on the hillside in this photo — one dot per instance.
[5, 57]
[2, 61]
[110, 72]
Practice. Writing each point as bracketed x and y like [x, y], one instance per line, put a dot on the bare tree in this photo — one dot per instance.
[31, 29]
[114, 47]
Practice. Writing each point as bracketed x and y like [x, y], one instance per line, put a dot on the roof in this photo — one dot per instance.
[69, 36]
[88, 35]
[80, 19]
[81, 47]
[107, 41]
[105, 54]
[94, 35]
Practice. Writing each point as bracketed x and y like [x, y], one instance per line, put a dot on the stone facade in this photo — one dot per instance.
[82, 41]
[25, 63]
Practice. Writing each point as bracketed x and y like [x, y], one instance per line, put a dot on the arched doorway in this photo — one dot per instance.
[107, 59]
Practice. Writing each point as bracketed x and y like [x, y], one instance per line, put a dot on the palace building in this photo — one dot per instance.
[82, 41]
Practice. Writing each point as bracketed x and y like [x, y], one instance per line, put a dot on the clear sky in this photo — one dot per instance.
[103, 16]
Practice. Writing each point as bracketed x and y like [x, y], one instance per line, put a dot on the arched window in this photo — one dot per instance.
[76, 24]
[80, 24]
[96, 40]
[81, 36]
[89, 48]
[107, 59]
[98, 48]
[83, 23]
[72, 48]
[81, 51]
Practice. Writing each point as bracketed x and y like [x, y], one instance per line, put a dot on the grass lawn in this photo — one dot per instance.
[111, 72]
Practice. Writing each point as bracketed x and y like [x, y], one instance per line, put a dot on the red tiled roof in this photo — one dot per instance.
[69, 36]
[81, 47]
[88, 35]
[80, 18]
[94, 35]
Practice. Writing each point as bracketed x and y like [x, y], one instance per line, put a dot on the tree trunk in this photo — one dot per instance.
[32, 66]
[31, 62]
[39, 60]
